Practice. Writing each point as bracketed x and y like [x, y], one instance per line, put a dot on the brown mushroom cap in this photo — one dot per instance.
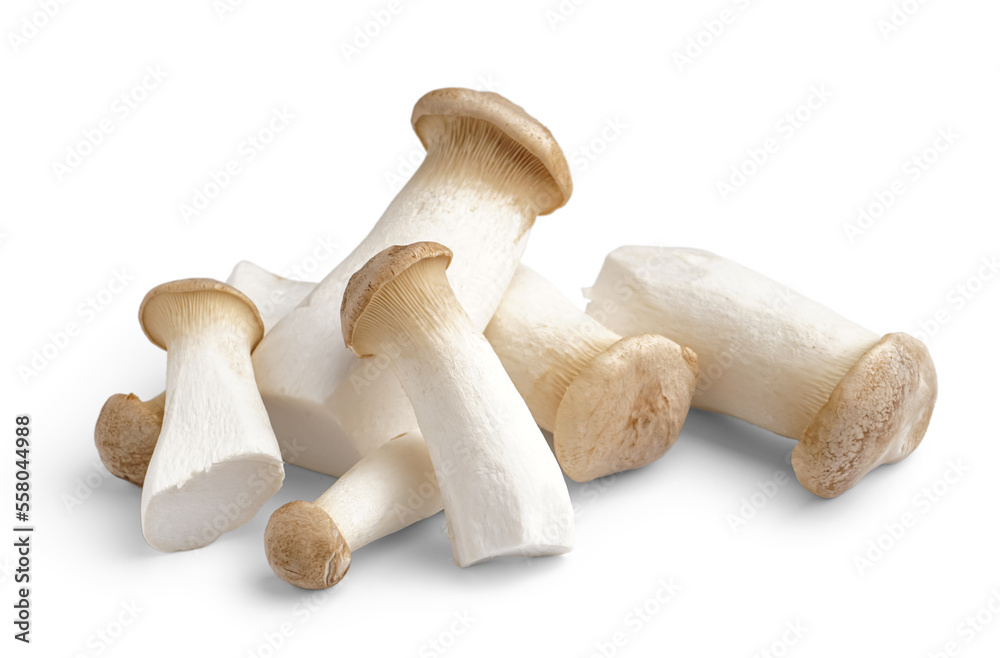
[183, 304]
[126, 434]
[383, 268]
[625, 408]
[304, 546]
[877, 414]
[508, 117]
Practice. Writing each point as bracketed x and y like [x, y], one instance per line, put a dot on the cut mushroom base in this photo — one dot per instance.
[216, 459]
[501, 487]
[310, 545]
[490, 170]
[777, 360]
[612, 403]
[127, 428]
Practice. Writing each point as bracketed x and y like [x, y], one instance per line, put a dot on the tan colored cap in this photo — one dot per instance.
[383, 268]
[877, 414]
[304, 546]
[626, 407]
[508, 117]
[126, 434]
[170, 306]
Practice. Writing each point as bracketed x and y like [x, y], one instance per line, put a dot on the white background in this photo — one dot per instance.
[325, 179]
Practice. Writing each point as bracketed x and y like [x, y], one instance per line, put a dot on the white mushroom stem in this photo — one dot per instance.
[389, 489]
[544, 342]
[768, 355]
[612, 403]
[216, 460]
[273, 295]
[127, 428]
[311, 545]
[853, 400]
[490, 169]
[502, 489]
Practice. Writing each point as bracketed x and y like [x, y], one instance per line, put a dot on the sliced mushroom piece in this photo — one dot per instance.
[611, 403]
[273, 295]
[216, 460]
[778, 360]
[127, 428]
[310, 545]
[502, 489]
[490, 170]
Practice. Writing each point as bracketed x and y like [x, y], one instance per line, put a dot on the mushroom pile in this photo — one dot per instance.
[421, 371]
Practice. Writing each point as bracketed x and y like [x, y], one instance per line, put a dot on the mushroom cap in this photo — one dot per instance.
[126, 433]
[304, 546]
[625, 408]
[508, 117]
[187, 301]
[877, 414]
[376, 273]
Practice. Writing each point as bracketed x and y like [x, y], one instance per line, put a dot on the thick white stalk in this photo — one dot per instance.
[502, 489]
[778, 360]
[127, 428]
[311, 545]
[490, 170]
[612, 403]
[216, 461]
[544, 342]
[318, 393]
[522, 507]
[767, 355]
[389, 489]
